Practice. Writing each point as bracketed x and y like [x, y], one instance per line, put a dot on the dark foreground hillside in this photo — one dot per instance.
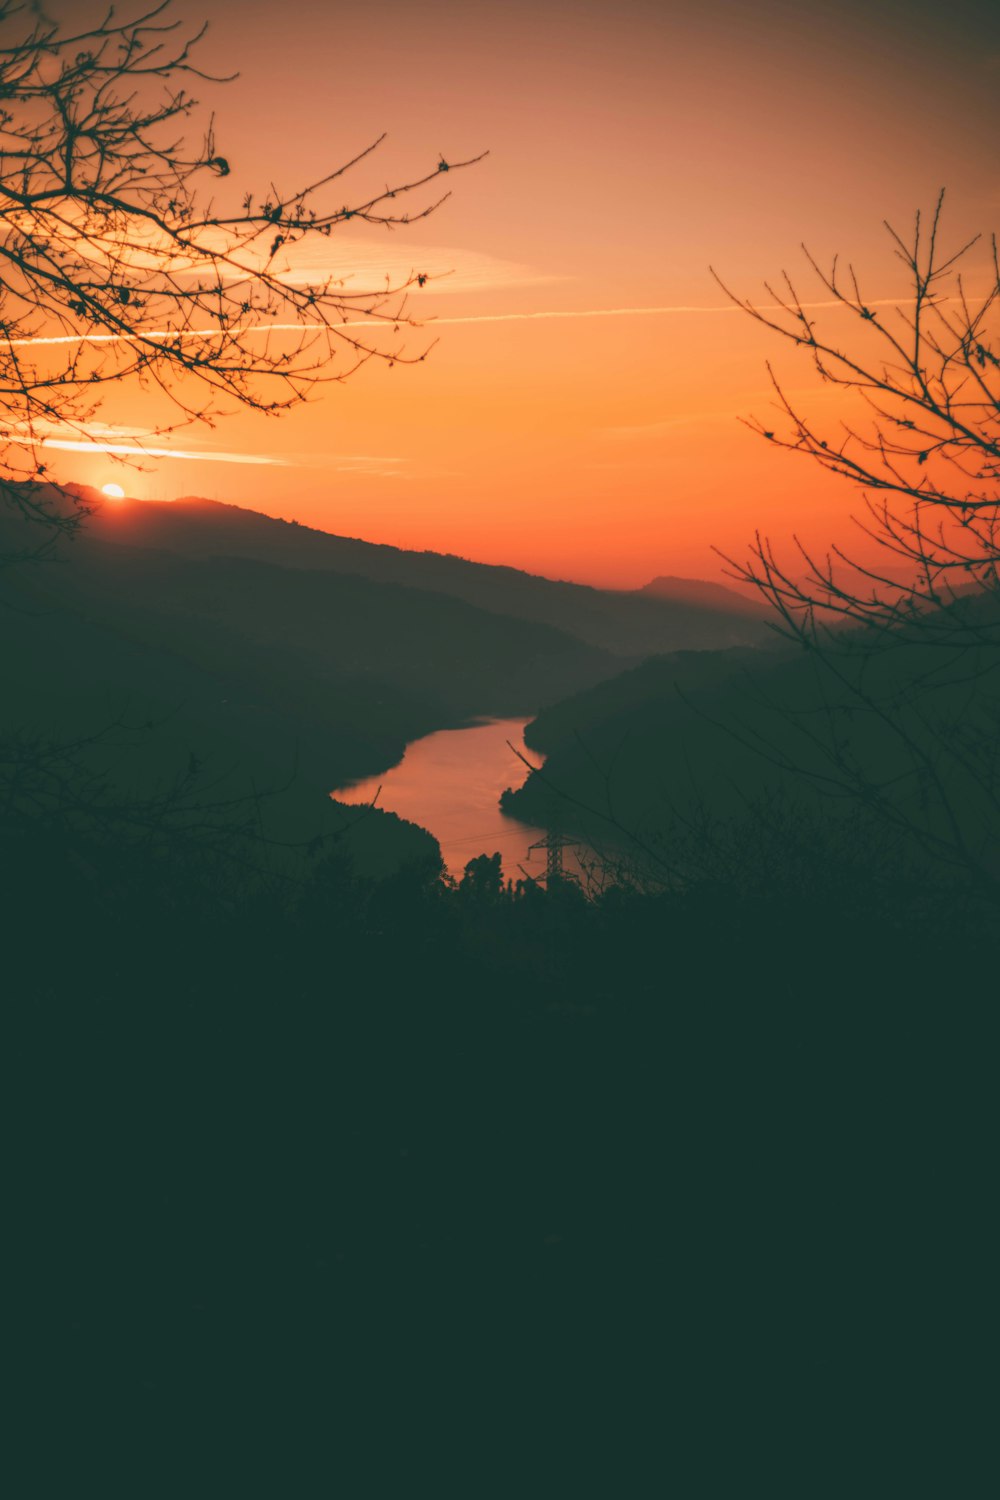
[686, 1186]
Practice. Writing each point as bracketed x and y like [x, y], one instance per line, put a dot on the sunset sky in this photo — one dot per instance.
[579, 415]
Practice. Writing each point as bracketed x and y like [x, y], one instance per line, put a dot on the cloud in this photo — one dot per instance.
[118, 442]
[363, 266]
[366, 266]
[368, 471]
[137, 442]
[136, 450]
[46, 427]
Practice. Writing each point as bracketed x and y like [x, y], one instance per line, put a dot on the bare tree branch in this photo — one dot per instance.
[117, 264]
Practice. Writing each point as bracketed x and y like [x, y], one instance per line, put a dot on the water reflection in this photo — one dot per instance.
[450, 783]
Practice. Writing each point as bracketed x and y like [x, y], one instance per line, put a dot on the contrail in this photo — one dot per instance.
[641, 312]
[167, 334]
[130, 450]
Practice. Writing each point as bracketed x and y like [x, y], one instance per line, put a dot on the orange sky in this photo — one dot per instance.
[631, 144]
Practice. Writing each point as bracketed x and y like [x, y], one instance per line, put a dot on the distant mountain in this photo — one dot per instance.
[901, 725]
[638, 745]
[330, 671]
[274, 651]
[630, 624]
[715, 596]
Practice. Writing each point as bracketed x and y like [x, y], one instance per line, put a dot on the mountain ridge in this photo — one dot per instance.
[628, 623]
[702, 591]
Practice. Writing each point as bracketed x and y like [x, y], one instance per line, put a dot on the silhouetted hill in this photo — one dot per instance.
[715, 596]
[634, 746]
[629, 624]
[142, 704]
[342, 668]
[660, 680]
[264, 673]
[283, 651]
[898, 726]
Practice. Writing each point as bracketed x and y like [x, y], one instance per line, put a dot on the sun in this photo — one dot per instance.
[113, 491]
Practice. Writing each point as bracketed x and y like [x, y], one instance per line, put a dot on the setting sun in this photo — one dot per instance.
[113, 491]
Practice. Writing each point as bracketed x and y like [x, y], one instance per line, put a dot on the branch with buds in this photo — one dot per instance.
[117, 264]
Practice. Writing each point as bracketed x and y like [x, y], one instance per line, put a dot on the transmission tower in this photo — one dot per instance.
[553, 843]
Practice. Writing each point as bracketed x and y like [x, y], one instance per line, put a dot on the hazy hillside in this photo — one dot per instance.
[716, 596]
[711, 734]
[142, 714]
[333, 670]
[634, 746]
[629, 624]
[655, 685]
[276, 654]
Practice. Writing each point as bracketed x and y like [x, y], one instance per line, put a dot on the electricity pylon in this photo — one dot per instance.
[553, 843]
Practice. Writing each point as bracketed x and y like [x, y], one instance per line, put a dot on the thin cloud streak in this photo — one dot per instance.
[369, 473]
[160, 335]
[133, 450]
[638, 312]
[102, 437]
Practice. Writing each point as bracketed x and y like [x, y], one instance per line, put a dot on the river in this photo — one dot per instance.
[450, 783]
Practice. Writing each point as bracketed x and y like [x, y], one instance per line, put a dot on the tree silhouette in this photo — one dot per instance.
[923, 444]
[117, 263]
[907, 650]
[483, 879]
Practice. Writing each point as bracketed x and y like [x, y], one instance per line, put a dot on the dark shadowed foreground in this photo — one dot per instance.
[472, 1192]
[328, 1175]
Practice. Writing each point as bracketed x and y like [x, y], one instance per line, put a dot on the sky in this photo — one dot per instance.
[579, 414]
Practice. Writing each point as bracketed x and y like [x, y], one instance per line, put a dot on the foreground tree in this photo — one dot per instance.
[921, 438]
[117, 264]
[905, 721]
